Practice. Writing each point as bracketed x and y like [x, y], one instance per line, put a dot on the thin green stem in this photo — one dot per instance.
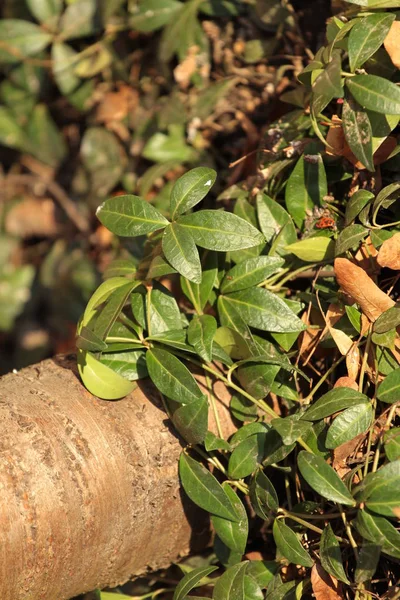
[292, 274]
[305, 446]
[349, 533]
[309, 397]
[295, 517]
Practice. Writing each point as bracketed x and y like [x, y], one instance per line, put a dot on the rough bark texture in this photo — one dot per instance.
[89, 489]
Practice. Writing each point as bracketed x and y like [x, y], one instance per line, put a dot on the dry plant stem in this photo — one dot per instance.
[389, 419]
[349, 533]
[214, 406]
[296, 518]
[369, 444]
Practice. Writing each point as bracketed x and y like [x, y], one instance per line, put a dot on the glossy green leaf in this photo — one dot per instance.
[129, 364]
[358, 131]
[112, 308]
[331, 556]
[375, 93]
[323, 479]
[20, 39]
[233, 534]
[204, 489]
[380, 490]
[242, 408]
[88, 340]
[191, 421]
[289, 545]
[367, 562]
[328, 84]
[263, 496]
[388, 320]
[149, 15]
[332, 402]
[180, 250]
[264, 310]
[290, 428]
[350, 423]
[230, 317]
[392, 443]
[121, 267]
[230, 586]
[379, 531]
[201, 333]
[274, 448]
[350, 237]
[246, 456]
[99, 296]
[356, 203]
[313, 249]
[191, 580]
[220, 231]
[262, 571]
[64, 60]
[162, 310]
[212, 442]
[190, 189]
[159, 267]
[389, 389]
[100, 380]
[250, 273]
[171, 376]
[367, 35]
[199, 294]
[130, 216]
[306, 187]
[276, 224]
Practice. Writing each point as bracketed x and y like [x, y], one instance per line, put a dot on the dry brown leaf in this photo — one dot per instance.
[341, 339]
[325, 587]
[353, 361]
[346, 382]
[115, 106]
[392, 43]
[363, 257]
[389, 253]
[184, 71]
[32, 217]
[355, 281]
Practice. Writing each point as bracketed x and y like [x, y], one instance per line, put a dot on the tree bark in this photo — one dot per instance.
[89, 489]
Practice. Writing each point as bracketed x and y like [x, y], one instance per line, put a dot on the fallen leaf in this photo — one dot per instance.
[392, 43]
[32, 217]
[115, 106]
[389, 253]
[325, 587]
[341, 339]
[363, 257]
[355, 282]
[353, 361]
[346, 382]
[184, 71]
[342, 453]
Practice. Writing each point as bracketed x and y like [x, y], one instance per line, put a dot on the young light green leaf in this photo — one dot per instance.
[100, 380]
[191, 580]
[201, 332]
[220, 231]
[350, 237]
[379, 531]
[332, 402]
[230, 317]
[46, 11]
[171, 376]
[375, 93]
[88, 340]
[250, 273]
[20, 39]
[263, 496]
[306, 187]
[204, 489]
[63, 59]
[230, 586]
[181, 252]
[380, 490]
[262, 571]
[323, 479]
[358, 132]
[389, 389]
[112, 308]
[313, 249]
[130, 216]
[264, 310]
[350, 423]
[150, 15]
[290, 428]
[331, 557]
[392, 443]
[367, 562]
[190, 189]
[233, 534]
[367, 35]
[99, 296]
[289, 545]
[388, 320]
[276, 224]
[356, 203]
[246, 456]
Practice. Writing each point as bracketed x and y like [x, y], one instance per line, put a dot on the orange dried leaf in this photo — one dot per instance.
[389, 253]
[325, 587]
[355, 282]
[353, 361]
[392, 43]
[346, 382]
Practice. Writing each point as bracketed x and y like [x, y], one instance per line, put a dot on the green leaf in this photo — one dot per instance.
[250, 272]
[99, 296]
[379, 531]
[243, 409]
[163, 147]
[367, 562]
[350, 423]
[20, 39]
[392, 443]
[171, 376]
[350, 237]
[190, 189]
[47, 141]
[204, 490]
[130, 216]
[233, 534]
[162, 310]
[332, 402]
[88, 340]
[230, 586]
[328, 84]
[313, 249]
[159, 267]
[191, 420]
[246, 456]
[389, 389]
[120, 267]
[306, 187]
[199, 294]
[358, 132]
[182, 33]
[230, 317]
[191, 580]
[201, 333]
[181, 252]
[323, 479]
[289, 545]
[276, 224]
[80, 19]
[263, 496]
[375, 93]
[380, 490]
[264, 310]
[129, 364]
[388, 320]
[221, 231]
[367, 35]
[212, 442]
[11, 134]
[46, 11]
[290, 428]
[104, 158]
[64, 59]
[100, 380]
[112, 309]
[149, 15]
[331, 557]
[356, 203]
[262, 571]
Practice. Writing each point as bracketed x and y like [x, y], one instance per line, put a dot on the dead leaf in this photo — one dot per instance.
[389, 253]
[32, 217]
[342, 453]
[353, 361]
[184, 71]
[325, 587]
[341, 339]
[363, 257]
[392, 43]
[346, 382]
[355, 281]
[115, 106]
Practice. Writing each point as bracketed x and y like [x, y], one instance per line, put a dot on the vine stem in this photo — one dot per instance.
[349, 533]
[294, 517]
[214, 406]
[390, 416]
[322, 380]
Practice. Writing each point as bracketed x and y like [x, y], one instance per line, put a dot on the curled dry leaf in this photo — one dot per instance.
[341, 339]
[389, 253]
[392, 43]
[325, 587]
[353, 361]
[355, 282]
[346, 382]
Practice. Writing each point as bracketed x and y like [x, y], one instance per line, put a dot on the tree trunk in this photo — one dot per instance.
[89, 489]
